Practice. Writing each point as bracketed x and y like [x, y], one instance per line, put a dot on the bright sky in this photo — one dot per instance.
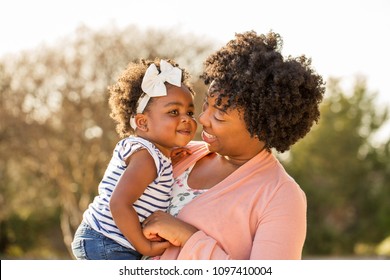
[344, 38]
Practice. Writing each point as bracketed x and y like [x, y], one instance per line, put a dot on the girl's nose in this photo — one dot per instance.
[185, 118]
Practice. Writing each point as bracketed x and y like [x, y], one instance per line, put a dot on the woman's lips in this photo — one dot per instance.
[208, 137]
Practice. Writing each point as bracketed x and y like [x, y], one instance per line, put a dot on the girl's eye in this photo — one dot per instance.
[191, 114]
[174, 112]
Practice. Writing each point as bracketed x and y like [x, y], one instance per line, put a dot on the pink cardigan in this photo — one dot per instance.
[257, 212]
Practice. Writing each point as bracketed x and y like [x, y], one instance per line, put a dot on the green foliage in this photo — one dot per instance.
[32, 237]
[344, 173]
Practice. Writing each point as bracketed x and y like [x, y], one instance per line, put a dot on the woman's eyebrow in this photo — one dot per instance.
[207, 96]
[219, 108]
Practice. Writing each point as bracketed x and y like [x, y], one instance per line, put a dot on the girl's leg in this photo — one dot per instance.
[91, 245]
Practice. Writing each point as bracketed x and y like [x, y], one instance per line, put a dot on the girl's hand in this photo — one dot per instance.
[163, 225]
[178, 153]
[156, 248]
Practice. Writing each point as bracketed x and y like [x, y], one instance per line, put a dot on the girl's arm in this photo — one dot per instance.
[140, 172]
[179, 153]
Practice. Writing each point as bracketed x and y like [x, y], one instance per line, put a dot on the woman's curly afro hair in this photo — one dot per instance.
[279, 97]
[125, 93]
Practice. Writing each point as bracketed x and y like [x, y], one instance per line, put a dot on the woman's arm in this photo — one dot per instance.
[195, 244]
[282, 232]
[130, 187]
[279, 235]
[163, 225]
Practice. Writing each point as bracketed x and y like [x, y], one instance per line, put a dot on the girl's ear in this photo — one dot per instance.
[142, 122]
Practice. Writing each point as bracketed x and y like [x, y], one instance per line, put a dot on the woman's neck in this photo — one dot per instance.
[244, 158]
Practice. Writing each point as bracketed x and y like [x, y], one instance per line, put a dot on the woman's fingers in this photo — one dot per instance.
[164, 225]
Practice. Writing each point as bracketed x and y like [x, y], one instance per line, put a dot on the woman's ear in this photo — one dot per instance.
[141, 122]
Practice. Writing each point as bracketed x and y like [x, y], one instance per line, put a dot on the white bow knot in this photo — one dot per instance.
[153, 84]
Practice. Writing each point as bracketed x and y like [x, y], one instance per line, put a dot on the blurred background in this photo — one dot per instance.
[56, 137]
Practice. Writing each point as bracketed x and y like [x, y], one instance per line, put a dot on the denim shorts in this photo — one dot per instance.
[89, 244]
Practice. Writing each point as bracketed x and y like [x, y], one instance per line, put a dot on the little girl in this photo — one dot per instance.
[153, 105]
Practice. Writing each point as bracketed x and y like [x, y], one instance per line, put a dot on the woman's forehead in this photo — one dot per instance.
[214, 87]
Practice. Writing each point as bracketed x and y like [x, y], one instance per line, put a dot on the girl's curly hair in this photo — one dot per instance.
[125, 93]
[279, 97]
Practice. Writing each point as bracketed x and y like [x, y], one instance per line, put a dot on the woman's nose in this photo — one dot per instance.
[204, 118]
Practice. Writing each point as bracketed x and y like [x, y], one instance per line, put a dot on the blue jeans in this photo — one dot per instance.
[89, 244]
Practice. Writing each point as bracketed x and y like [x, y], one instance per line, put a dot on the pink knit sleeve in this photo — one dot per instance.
[202, 247]
[282, 231]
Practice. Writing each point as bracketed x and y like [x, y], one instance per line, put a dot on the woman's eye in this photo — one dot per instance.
[217, 119]
[219, 116]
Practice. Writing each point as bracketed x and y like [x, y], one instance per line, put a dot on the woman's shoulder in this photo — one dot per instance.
[198, 150]
[197, 145]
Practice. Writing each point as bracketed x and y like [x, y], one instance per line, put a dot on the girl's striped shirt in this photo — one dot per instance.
[155, 197]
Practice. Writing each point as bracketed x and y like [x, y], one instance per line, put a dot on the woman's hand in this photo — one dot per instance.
[163, 225]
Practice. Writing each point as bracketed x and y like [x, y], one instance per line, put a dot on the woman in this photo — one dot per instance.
[245, 205]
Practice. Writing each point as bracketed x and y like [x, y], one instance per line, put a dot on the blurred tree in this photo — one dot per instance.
[56, 134]
[344, 173]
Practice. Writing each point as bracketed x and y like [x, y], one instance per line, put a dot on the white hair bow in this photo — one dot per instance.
[153, 84]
